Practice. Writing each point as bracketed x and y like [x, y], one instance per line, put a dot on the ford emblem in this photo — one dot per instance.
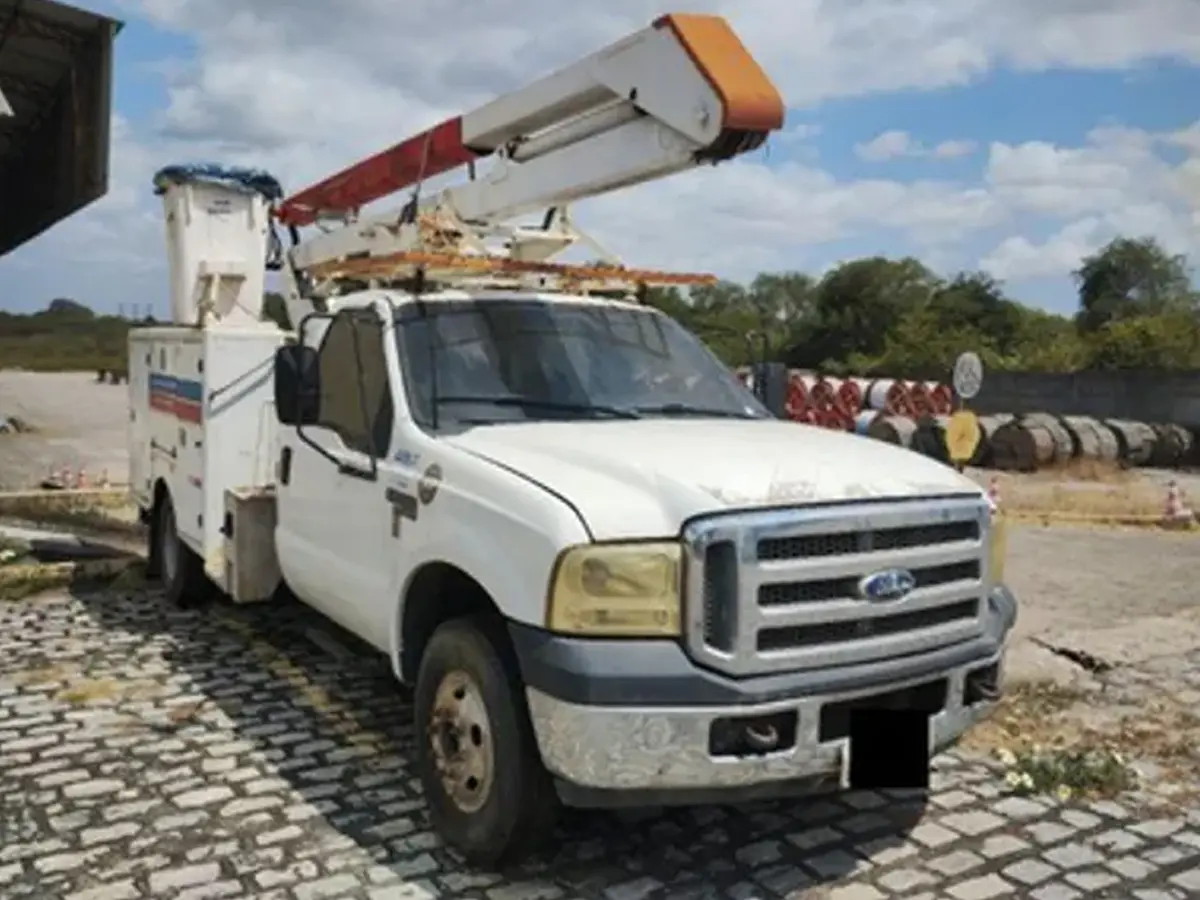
[888, 584]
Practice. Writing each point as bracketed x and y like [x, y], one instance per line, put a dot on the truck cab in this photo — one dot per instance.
[610, 575]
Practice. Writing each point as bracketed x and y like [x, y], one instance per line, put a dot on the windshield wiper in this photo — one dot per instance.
[684, 409]
[611, 412]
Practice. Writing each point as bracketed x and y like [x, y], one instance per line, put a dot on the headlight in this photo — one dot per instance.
[616, 590]
[998, 548]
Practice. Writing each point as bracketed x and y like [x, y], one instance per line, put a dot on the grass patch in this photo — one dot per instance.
[1067, 741]
[1067, 774]
[20, 581]
[109, 511]
[1116, 500]
[1091, 471]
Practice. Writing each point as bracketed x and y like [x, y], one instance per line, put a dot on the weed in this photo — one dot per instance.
[1067, 773]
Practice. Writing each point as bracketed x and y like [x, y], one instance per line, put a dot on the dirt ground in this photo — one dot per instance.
[76, 422]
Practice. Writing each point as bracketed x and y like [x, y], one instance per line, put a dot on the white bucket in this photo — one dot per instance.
[216, 252]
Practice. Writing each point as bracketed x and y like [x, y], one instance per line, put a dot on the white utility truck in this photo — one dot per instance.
[611, 576]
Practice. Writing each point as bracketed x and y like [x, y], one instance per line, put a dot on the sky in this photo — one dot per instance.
[1013, 138]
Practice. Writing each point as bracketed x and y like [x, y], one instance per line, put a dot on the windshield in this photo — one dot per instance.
[501, 360]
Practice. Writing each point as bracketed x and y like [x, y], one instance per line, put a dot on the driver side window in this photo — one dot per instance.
[356, 400]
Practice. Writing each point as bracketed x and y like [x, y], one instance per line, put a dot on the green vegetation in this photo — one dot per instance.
[64, 336]
[1138, 309]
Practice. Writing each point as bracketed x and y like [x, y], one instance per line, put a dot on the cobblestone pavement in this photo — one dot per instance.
[148, 752]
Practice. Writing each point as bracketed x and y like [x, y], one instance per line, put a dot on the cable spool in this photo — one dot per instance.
[1086, 433]
[1022, 446]
[987, 429]
[1172, 446]
[850, 395]
[941, 396]
[1135, 441]
[863, 421]
[890, 396]
[1060, 436]
[919, 397]
[797, 397]
[929, 438]
[810, 381]
[892, 429]
[824, 392]
[1187, 444]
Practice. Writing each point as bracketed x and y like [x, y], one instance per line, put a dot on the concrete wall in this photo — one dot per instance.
[1144, 396]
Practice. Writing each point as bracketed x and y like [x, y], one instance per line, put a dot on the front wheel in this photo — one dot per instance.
[489, 795]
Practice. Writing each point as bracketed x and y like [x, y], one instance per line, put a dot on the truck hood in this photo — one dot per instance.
[646, 478]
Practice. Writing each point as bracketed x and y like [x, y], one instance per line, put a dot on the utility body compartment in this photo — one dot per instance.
[202, 422]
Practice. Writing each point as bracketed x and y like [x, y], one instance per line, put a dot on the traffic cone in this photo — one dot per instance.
[1175, 511]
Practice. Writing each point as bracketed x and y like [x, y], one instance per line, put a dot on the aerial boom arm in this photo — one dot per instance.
[683, 92]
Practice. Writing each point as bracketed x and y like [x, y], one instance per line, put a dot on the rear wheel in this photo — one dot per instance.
[178, 566]
[488, 792]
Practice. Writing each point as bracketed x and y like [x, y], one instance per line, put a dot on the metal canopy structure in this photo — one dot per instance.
[56, 84]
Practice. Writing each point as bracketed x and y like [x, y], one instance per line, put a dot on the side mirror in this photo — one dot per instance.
[297, 385]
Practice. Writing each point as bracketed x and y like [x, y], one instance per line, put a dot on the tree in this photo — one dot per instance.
[974, 301]
[1170, 340]
[856, 305]
[1131, 277]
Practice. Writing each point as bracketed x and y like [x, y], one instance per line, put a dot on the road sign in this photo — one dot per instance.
[962, 436]
[968, 375]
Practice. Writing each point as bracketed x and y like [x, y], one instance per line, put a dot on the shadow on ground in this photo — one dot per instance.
[330, 722]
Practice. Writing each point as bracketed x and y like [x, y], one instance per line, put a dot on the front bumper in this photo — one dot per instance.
[632, 723]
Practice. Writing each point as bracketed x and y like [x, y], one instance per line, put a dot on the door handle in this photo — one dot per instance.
[345, 468]
[285, 465]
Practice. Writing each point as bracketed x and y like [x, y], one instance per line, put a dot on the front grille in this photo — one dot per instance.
[779, 590]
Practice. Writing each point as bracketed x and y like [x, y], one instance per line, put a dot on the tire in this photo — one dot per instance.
[175, 563]
[514, 809]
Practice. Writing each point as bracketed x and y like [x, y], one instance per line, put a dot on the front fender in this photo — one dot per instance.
[511, 588]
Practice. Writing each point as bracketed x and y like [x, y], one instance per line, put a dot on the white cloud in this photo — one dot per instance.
[305, 87]
[1115, 184]
[954, 149]
[895, 144]
[1018, 257]
[888, 145]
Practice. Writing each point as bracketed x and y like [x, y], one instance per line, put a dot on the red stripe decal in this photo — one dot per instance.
[425, 155]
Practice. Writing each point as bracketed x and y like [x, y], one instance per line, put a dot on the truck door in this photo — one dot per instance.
[334, 530]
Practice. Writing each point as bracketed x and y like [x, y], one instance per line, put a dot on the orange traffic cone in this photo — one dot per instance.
[1175, 511]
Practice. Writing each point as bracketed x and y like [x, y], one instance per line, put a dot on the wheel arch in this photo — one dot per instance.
[438, 591]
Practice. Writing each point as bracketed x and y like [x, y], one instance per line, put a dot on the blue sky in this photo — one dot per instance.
[1039, 189]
